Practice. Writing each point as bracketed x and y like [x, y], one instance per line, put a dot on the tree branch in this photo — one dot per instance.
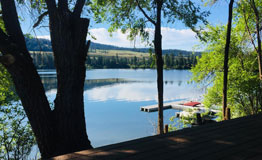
[144, 13]
[6, 46]
[12, 24]
[40, 18]
[78, 8]
[248, 30]
[259, 50]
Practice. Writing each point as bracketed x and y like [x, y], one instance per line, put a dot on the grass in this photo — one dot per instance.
[120, 53]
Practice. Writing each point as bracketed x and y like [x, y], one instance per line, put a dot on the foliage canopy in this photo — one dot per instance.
[136, 16]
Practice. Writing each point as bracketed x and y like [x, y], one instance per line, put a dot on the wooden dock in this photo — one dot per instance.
[154, 108]
[236, 139]
[178, 105]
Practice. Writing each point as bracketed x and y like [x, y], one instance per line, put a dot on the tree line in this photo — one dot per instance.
[45, 60]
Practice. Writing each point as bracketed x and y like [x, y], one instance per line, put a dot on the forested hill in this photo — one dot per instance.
[144, 50]
[108, 56]
[34, 44]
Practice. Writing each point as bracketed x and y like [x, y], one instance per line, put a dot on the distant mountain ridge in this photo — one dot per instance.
[34, 44]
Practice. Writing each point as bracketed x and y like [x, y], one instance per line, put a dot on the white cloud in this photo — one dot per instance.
[172, 38]
[178, 39]
[117, 38]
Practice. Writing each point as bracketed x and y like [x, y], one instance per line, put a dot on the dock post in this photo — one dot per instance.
[166, 128]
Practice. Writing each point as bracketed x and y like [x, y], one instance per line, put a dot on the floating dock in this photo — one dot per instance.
[178, 105]
[154, 108]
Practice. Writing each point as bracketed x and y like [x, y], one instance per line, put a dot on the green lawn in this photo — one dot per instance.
[120, 53]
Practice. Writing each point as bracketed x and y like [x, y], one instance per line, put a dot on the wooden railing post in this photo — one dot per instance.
[228, 114]
[199, 119]
[166, 128]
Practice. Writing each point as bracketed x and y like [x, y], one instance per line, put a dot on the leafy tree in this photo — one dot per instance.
[244, 91]
[62, 129]
[16, 136]
[253, 8]
[135, 16]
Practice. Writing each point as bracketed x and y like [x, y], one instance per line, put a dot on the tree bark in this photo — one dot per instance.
[159, 62]
[229, 25]
[62, 130]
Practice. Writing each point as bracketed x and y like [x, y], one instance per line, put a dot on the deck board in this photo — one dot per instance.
[234, 139]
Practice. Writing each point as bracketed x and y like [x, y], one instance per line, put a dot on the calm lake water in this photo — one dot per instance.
[113, 98]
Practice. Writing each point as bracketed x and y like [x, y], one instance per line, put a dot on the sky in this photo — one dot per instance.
[174, 36]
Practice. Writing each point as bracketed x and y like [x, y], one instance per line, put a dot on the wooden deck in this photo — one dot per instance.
[235, 139]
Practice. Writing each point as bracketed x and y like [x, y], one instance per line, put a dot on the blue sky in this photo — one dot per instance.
[175, 36]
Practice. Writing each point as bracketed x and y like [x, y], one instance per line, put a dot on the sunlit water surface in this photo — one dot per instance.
[113, 98]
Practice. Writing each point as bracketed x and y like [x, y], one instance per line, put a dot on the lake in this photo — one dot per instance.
[113, 98]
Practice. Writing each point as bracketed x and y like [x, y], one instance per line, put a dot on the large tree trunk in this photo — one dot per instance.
[229, 25]
[62, 130]
[68, 35]
[159, 62]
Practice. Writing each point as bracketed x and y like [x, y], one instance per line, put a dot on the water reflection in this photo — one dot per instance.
[50, 83]
[128, 90]
[142, 91]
